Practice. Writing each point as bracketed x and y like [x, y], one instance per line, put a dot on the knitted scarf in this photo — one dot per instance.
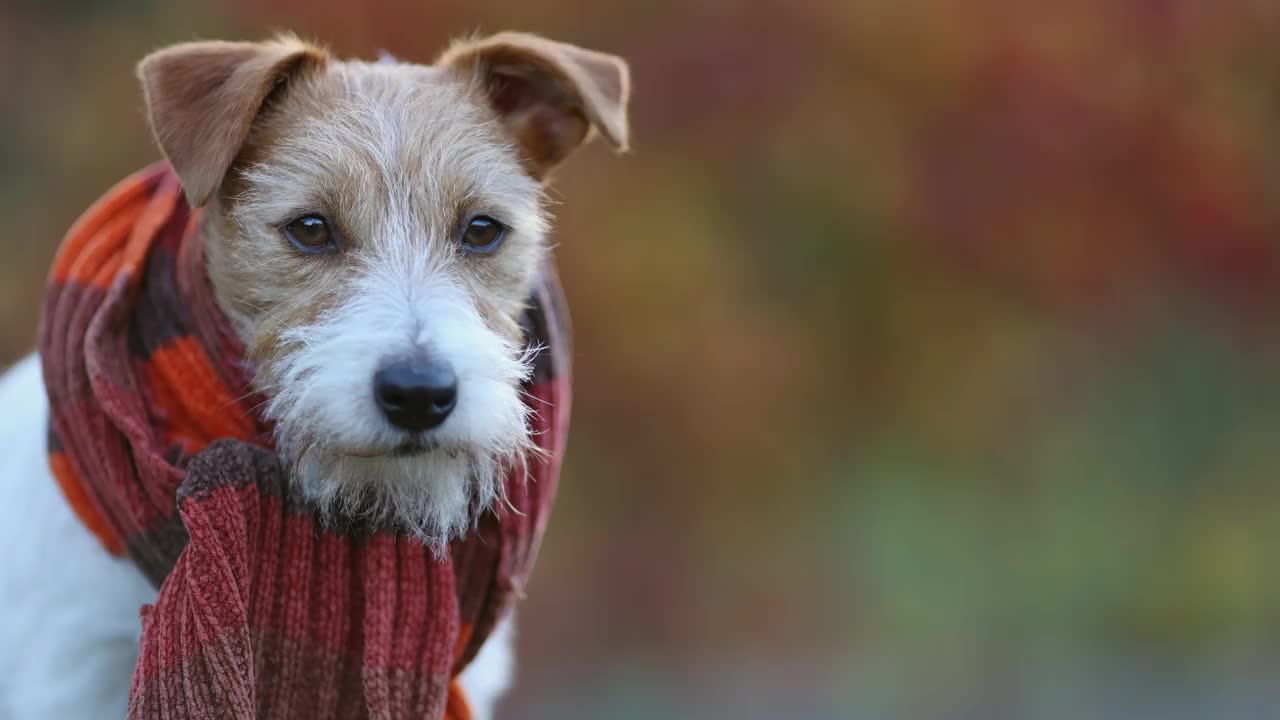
[264, 611]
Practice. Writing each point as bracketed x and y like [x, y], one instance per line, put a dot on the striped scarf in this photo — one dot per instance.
[263, 610]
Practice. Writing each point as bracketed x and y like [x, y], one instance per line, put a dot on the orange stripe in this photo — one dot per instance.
[194, 406]
[151, 219]
[98, 260]
[464, 637]
[82, 504]
[457, 707]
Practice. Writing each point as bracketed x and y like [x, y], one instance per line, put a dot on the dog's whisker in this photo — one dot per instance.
[260, 309]
[530, 396]
[248, 411]
[234, 401]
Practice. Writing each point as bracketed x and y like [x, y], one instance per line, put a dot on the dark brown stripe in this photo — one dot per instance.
[235, 464]
[53, 443]
[156, 549]
[154, 321]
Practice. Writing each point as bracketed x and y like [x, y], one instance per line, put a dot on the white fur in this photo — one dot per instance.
[69, 628]
[341, 444]
[69, 623]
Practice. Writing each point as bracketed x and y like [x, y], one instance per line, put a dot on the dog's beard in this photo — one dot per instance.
[348, 460]
[435, 495]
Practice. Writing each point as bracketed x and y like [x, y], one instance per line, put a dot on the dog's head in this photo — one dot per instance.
[373, 231]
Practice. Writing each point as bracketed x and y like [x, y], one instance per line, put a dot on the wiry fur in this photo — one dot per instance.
[398, 167]
[335, 435]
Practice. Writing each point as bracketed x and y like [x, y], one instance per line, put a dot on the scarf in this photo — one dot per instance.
[263, 610]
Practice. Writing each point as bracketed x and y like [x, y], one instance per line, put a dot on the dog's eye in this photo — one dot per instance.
[483, 234]
[310, 233]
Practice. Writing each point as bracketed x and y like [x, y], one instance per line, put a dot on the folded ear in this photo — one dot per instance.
[202, 97]
[548, 94]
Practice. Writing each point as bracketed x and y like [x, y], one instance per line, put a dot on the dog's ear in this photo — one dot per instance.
[202, 97]
[548, 94]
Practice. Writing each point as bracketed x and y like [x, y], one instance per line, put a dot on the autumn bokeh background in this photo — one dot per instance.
[928, 352]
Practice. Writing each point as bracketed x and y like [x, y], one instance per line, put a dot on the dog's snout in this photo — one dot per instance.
[416, 394]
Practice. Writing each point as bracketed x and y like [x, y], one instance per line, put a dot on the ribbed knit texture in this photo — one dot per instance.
[263, 611]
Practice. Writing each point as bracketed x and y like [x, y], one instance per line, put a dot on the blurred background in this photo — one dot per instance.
[928, 352]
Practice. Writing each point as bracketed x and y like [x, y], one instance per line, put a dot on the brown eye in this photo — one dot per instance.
[483, 234]
[310, 233]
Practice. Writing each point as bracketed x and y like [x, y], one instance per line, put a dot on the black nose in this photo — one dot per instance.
[416, 394]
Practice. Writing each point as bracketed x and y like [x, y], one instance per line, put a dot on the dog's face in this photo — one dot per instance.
[373, 231]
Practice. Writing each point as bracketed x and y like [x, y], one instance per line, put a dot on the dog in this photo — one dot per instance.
[371, 233]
